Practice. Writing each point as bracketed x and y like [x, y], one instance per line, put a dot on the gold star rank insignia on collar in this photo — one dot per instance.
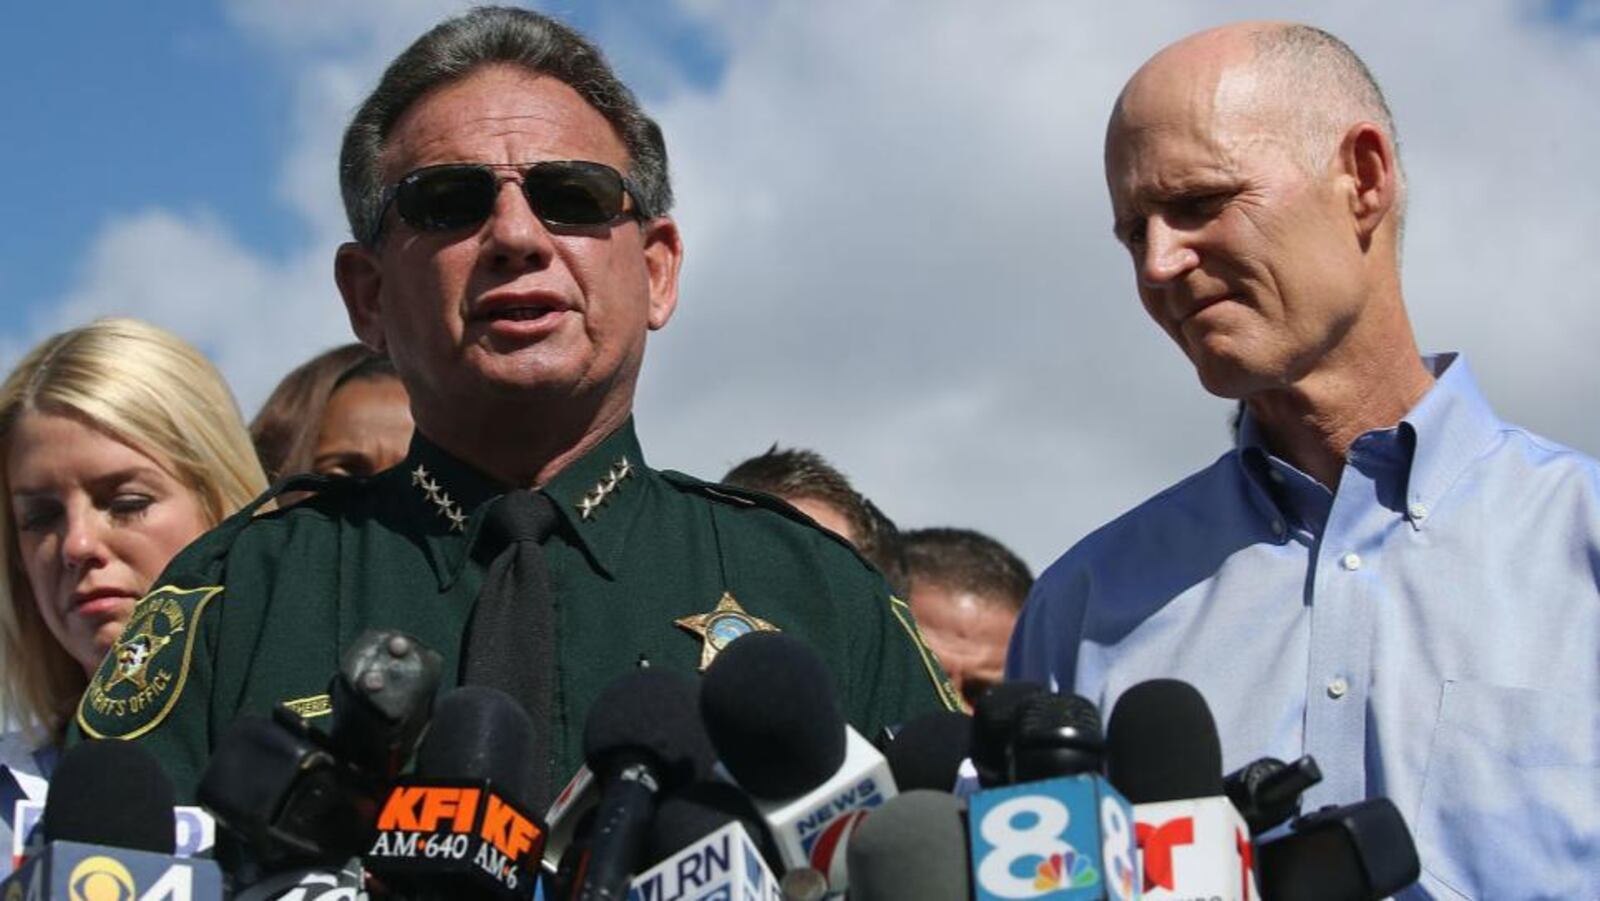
[719, 627]
[446, 506]
[602, 490]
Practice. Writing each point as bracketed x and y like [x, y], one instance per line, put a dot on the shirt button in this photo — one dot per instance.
[1277, 527]
[1351, 562]
[1338, 688]
[1418, 511]
[1275, 476]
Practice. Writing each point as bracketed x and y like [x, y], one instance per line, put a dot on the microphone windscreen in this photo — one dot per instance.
[1056, 735]
[1162, 744]
[110, 792]
[695, 811]
[927, 752]
[480, 733]
[914, 846]
[651, 712]
[993, 718]
[773, 715]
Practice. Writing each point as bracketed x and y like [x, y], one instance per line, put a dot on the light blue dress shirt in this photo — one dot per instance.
[1430, 631]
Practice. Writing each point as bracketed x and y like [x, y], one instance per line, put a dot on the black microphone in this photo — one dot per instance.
[914, 846]
[1358, 852]
[1057, 823]
[110, 793]
[382, 699]
[774, 717]
[1163, 754]
[927, 751]
[283, 800]
[643, 736]
[707, 841]
[459, 826]
[108, 826]
[1055, 735]
[290, 797]
[992, 720]
[1267, 791]
[698, 809]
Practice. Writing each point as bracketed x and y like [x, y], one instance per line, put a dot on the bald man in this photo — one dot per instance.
[1381, 573]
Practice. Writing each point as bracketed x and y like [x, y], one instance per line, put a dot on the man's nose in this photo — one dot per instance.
[1168, 253]
[516, 237]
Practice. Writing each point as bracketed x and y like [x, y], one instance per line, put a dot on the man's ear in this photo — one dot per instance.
[360, 278]
[663, 257]
[1368, 158]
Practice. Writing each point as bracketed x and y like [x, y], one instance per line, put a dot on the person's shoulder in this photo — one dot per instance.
[259, 535]
[766, 519]
[1196, 508]
[1540, 453]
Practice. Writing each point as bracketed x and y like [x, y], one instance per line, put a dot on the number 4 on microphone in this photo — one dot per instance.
[1060, 839]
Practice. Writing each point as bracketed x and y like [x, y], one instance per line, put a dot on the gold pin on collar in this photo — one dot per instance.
[446, 506]
[601, 492]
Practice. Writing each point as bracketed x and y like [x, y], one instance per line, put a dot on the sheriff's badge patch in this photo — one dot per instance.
[142, 676]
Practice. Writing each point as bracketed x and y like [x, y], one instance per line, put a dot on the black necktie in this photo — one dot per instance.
[511, 639]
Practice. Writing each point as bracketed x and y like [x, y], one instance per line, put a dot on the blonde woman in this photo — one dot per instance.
[120, 444]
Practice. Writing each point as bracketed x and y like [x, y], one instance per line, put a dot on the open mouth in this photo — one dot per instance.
[518, 314]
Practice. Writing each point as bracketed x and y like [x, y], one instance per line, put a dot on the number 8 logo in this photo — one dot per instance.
[1040, 841]
[1117, 848]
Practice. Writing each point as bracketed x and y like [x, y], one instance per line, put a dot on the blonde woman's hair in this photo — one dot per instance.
[148, 389]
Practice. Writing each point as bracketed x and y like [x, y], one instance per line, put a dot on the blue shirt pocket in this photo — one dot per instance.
[1511, 797]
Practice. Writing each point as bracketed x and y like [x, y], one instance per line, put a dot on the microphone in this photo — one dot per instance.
[642, 737]
[927, 752]
[774, 718]
[723, 864]
[459, 825]
[1055, 735]
[1267, 791]
[914, 846]
[992, 720]
[291, 798]
[1164, 755]
[382, 699]
[108, 826]
[1064, 828]
[1358, 852]
[699, 809]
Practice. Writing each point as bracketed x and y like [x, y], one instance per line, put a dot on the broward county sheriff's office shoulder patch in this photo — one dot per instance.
[141, 678]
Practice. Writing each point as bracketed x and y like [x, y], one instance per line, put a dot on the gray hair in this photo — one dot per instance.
[1302, 61]
[489, 35]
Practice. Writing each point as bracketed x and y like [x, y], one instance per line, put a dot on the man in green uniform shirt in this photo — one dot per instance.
[509, 200]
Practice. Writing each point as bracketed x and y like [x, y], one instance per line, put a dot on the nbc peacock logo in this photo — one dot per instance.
[1068, 869]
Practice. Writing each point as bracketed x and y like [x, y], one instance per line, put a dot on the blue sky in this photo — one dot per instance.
[898, 240]
[173, 104]
[102, 122]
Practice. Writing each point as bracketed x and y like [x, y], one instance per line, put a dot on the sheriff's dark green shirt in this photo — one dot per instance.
[257, 612]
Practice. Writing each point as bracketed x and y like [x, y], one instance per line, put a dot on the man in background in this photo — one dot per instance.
[966, 591]
[816, 488]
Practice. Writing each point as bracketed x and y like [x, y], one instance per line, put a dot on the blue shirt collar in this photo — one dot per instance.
[1449, 428]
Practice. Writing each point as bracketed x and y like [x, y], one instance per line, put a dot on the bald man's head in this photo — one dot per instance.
[1303, 82]
[1255, 183]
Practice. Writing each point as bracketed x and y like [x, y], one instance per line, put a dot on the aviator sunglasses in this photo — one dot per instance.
[450, 196]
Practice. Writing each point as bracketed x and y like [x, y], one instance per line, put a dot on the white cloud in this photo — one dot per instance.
[898, 242]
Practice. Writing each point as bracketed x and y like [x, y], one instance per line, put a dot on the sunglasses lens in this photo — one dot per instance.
[446, 197]
[574, 193]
